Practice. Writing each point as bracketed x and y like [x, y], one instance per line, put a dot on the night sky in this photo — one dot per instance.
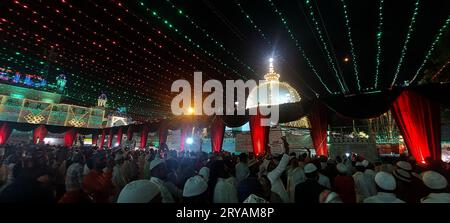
[134, 50]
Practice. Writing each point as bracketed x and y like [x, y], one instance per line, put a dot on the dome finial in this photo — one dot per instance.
[271, 76]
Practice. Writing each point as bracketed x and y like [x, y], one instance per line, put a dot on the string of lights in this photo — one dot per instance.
[331, 61]
[208, 35]
[379, 46]
[407, 39]
[170, 26]
[437, 39]
[352, 46]
[299, 48]
[252, 23]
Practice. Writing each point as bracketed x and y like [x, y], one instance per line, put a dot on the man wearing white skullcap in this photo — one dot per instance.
[364, 185]
[204, 172]
[308, 192]
[158, 172]
[344, 184]
[438, 186]
[386, 186]
[194, 191]
[369, 171]
[140, 191]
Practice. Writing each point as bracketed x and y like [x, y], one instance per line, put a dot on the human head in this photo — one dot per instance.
[342, 169]
[359, 167]
[195, 190]
[311, 171]
[158, 169]
[243, 157]
[98, 160]
[434, 181]
[140, 191]
[385, 182]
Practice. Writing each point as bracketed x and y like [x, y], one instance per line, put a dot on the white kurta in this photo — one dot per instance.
[295, 176]
[363, 186]
[383, 197]
[275, 180]
[436, 198]
[225, 192]
[165, 193]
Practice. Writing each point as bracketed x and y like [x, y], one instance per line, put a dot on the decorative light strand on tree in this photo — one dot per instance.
[299, 48]
[331, 61]
[438, 37]
[352, 46]
[379, 46]
[408, 37]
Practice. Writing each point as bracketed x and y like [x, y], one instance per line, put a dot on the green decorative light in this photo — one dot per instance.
[331, 61]
[195, 45]
[209, 36]
[252, 23]
[379, 36]
[438, 37]
[299, 48]
[408, 37]
[352, 46]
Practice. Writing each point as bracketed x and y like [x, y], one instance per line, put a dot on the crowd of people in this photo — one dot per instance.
[55, 174]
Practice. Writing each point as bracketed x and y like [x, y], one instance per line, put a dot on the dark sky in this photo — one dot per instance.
[142, 79]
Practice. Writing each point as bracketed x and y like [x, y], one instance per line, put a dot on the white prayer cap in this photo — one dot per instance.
[404, 165]
[341, 168]
[138, 191]
[204, 172]
[402, 175]
[385, 181]
[255, 199]
[194, 186]
[434, 180]
[155, 163]
[365, 163]
[309, 168]
[359, 164]
[333, 198]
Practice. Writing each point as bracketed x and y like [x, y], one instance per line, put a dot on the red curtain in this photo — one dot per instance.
[94, 139]
[260, 134]
[319, 124]
[119, 136]
[5, 132]
[110, 138]
[144, 136]
[419, 120]
[39, 133]
[69, 137]
[130, 132]
[102, 140]
[217, 130]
